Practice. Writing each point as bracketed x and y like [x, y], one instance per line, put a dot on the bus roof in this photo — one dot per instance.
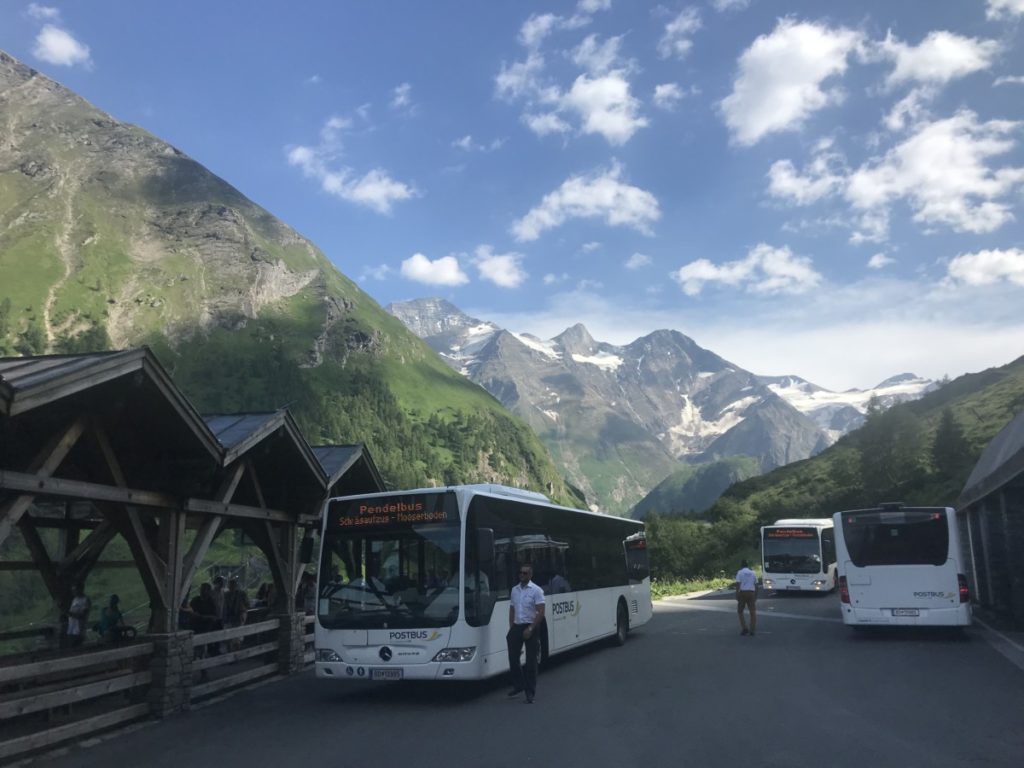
[818, 522]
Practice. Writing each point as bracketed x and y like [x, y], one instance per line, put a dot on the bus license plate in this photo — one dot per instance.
[385, 674]
[905, 612]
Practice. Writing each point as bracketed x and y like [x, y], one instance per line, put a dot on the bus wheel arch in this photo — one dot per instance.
[621, 622]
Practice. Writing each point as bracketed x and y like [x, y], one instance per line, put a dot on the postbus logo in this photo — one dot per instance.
[413, 634]
[565, 608]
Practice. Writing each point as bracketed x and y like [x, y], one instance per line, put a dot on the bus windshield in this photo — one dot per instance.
[903, 537]
[792, 550]
[387, 570]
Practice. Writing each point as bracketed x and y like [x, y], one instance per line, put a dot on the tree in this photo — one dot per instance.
[951, 455]
[891, 445]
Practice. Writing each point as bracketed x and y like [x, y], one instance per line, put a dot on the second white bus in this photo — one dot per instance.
[799, 555]
[901, 565]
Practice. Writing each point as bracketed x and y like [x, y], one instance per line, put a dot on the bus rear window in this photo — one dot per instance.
[903, 537]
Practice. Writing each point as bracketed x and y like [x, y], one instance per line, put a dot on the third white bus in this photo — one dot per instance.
[901, 565]
[799, 555]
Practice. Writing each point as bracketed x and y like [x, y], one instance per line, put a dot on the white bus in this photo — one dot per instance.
[415, 584]
[901, 565]
[799, 555]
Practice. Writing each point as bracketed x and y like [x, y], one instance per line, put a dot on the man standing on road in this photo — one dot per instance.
[525, 614]
[746, 596]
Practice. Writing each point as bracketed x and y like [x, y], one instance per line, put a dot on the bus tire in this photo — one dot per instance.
[621, 623]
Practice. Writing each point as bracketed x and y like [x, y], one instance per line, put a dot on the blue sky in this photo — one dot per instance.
[827, 189]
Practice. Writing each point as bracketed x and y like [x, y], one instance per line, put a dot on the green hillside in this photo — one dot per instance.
[919, 452]
[110, 238]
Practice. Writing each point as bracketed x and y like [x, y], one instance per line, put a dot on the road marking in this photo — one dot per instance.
[1012, 650]
[689, 605]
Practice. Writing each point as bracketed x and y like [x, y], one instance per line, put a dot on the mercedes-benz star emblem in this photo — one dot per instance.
[385, 654]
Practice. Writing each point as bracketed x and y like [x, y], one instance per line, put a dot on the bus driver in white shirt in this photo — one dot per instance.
[525, 614]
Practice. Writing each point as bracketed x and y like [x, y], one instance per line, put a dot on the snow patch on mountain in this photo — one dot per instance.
[605, 360]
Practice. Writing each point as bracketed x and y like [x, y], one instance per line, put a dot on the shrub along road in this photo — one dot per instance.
[686, 689]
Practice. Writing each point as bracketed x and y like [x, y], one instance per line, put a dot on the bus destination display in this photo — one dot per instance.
[395, 511]
[790, 533]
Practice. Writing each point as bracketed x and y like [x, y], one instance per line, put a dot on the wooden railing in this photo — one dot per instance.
[44, 692]
[44, 702]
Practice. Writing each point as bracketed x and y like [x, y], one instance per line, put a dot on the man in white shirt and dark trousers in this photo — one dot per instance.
[525, 615]
[746, 596]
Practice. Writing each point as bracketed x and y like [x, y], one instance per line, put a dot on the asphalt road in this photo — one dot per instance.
[685, 690]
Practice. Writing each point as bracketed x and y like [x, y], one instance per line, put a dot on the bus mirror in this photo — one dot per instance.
[485, 546]
[306, 550]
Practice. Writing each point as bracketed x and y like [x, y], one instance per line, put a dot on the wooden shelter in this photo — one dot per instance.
[103, 444]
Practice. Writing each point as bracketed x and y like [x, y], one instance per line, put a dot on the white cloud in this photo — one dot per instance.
[546, 124]
[552, 279]
[910, 110]
[729, 5]
[880, 260]
[375, 189]
[821, 178]
[443, 271]
[466, 144]
[520, 79]
[606, 107]
[600, 195]
[593, 6]
[667, 96]
[938, 59]
[1009, 80]
[988, 267]
[402, 97]
[42, 12]
[380, 273]
[590, 247]
[676, 39]
[1001, 9]
[941, 171]
[765, 270]
[536, 28]
[637, 260]
[780, 78]
[596, 57]
[502, 269]
[57, 46]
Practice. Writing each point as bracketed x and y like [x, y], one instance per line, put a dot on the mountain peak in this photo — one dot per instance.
[576, 339]
[900, 378]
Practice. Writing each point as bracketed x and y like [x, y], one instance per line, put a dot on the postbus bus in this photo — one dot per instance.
[799, 555]
[901, 565]
[415, 584]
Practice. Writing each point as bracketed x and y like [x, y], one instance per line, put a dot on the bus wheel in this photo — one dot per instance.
[621, 624]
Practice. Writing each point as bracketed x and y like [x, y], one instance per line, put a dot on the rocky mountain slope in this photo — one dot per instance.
[620, 419]
[110, 237]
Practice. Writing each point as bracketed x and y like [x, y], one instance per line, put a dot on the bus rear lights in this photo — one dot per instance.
[326, 654]
[965, 592]
[844, 591]
[455, 654]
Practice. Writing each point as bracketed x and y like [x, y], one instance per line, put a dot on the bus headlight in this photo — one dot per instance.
[818, 583]
[326, 654]
[455, 654]
[768, 583]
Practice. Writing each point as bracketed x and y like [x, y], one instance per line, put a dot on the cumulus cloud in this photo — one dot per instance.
[667, 96]
[606, 107]
[443, 271]
[601, 195]
[519, 79]
[938, 59]
[765, 270]
[911, 109]
[374, 189]
[42, 12]
[675, 41]
[58, 46]
[1004, 9]
[502, 269]
[729, 5]
[401, 97]
[823, 176]
[1009, 80]
[638, 260]
[988, 267]
[880, 260]
[467, 144]
[597, 57]
[780, 78]
[942, 172]
[545, 124]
